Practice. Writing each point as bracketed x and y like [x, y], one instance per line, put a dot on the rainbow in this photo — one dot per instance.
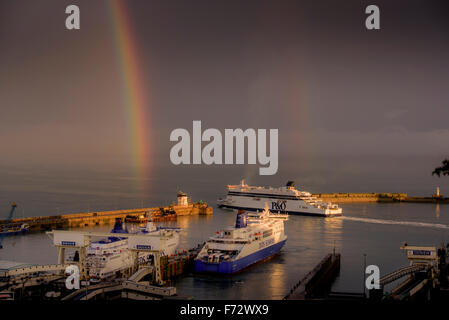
[135, 98]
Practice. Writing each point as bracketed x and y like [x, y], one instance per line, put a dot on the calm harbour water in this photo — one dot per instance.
[374, 229]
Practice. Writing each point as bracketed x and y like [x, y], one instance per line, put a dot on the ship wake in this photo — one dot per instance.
[394, 222]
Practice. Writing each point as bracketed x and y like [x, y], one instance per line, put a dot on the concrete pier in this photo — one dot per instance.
[317, 282]
[361, 197]
[377, 197]
[85, 219]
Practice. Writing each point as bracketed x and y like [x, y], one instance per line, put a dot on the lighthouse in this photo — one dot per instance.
[182, 199]
[437, 194]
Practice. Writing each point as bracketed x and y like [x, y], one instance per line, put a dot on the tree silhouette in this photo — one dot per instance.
[444, 169]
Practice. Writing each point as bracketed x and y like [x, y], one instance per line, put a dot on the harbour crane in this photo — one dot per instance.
[5, 228]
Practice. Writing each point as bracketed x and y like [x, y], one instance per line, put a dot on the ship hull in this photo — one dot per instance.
[230, 267]
[290, 212]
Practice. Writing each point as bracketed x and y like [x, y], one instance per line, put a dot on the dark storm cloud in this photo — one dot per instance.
[310, 69]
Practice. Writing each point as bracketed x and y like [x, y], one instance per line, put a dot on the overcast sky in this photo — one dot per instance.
[333, 89]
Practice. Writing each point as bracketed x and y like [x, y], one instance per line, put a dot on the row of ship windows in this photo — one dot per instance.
[264, 235]
[229, 242]
[267, 233]
[264, 196]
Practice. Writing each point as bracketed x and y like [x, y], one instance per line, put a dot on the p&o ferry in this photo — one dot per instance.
[284, 200]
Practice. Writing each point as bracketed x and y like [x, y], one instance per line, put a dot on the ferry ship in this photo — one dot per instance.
[109, 256]
[255, 237]
[287, 200]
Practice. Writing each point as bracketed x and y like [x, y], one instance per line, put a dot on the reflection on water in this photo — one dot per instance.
[277, 281]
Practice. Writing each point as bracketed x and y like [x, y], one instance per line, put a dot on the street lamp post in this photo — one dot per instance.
[364, 275]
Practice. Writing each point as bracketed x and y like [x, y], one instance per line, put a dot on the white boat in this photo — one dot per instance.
[255, 237]
[285, 200]
[108, 257]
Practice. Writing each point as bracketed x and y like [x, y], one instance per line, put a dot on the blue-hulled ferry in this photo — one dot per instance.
[255, 237]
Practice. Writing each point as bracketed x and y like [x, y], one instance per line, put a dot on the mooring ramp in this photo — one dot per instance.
[137, 296]
[141, 273]
[402, 273]
[89, 292]
[412, 288]
[148, 289]
[402, 286]
[92, 293]
[415, 289]
[127, 289]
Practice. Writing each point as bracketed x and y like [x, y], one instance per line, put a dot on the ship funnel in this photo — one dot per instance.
[119, 227]
[290, 184]
[240, 221]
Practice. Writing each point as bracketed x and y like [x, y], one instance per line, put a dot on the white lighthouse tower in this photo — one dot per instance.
[183, 200]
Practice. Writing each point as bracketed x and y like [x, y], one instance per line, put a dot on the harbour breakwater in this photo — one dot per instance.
[377, 197]
[85, 219]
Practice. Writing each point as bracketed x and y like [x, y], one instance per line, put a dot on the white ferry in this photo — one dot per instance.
[107, 257]
[284, 200]
[255, 237]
